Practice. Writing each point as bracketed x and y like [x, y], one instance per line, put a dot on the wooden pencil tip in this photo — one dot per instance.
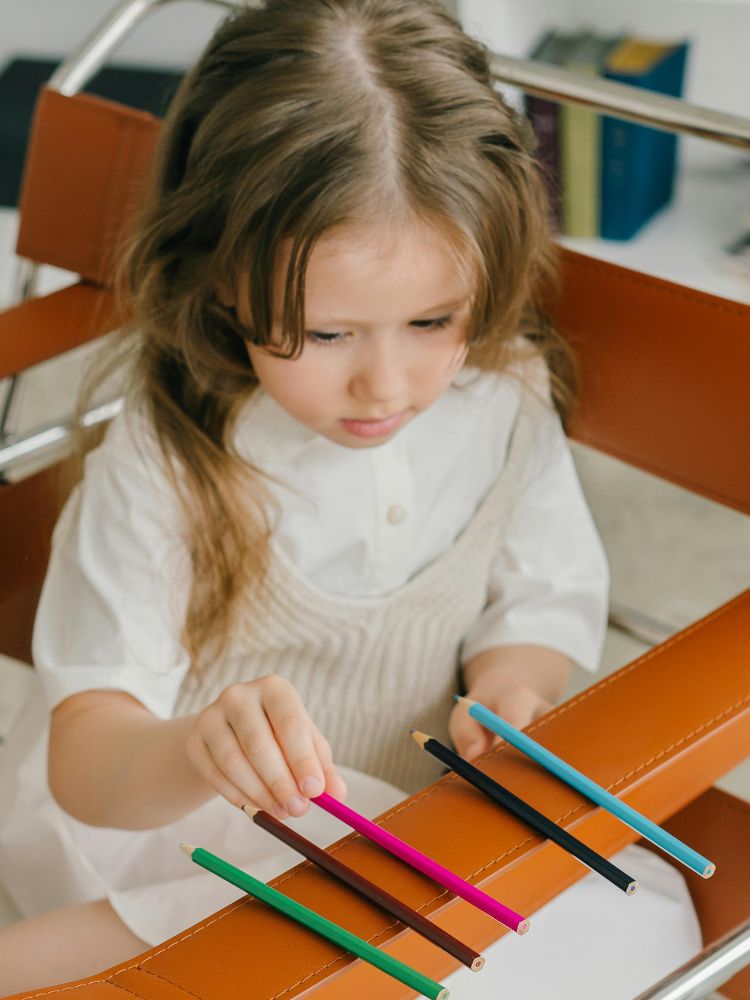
[188, 849]
[633, 887]
[708, 870]
[420, 738]
[250, 811]
[523, 926]
[444, 994]
[463, 700]
[477, 964]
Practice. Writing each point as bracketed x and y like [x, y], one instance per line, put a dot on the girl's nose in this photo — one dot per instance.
[380, 374]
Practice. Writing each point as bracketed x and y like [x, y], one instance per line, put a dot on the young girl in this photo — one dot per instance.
[338, 493]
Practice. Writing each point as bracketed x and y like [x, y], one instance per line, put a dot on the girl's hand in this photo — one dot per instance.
[516, 703]
[519, 683]
[257, 745]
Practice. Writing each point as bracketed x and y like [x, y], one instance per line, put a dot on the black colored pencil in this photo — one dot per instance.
[528, 814]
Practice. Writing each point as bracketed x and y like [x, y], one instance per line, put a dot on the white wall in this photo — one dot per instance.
[718, 72]
[173, 35]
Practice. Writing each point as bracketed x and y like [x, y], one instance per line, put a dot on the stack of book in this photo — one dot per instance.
[606, 177]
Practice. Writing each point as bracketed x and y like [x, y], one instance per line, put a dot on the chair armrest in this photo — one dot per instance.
[658, 732]
[42, 328]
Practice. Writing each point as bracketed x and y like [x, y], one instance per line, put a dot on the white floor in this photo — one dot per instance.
[673, 556]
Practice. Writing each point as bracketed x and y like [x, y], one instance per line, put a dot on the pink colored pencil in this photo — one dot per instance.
[423, 864]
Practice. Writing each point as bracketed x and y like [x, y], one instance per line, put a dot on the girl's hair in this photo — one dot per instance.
[302, 116]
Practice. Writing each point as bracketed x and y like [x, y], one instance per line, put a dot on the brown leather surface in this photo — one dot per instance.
[28, 511]
[722, 902]
[665, 372]
[85, 169]
[659, 732]
[42, 328]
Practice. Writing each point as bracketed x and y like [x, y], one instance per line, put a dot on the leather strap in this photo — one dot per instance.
[659, 732]
[664, 374]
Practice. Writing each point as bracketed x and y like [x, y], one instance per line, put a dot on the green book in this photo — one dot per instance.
[580, 141]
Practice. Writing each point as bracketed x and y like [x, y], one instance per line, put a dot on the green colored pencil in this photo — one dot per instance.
[309, 918]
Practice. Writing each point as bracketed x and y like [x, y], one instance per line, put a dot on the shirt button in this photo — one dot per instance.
[395, 514]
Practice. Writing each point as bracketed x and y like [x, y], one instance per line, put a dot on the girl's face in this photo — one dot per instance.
[386, 315]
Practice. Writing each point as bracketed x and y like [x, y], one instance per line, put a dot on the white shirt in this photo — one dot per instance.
[356, 522]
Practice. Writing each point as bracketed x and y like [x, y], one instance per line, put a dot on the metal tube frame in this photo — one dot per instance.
[619, 100]
[713, 967]
[719, 962]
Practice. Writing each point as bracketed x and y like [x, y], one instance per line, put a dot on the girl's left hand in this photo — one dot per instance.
[516, 703]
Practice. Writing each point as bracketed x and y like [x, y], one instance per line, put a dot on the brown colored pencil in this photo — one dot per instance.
[373, 892]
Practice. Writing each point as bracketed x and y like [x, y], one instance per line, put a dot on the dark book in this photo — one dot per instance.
[148, 89]
[544, 116]
[639, 162]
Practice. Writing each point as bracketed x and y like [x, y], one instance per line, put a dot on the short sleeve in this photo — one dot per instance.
[116, 590]
[549, 583]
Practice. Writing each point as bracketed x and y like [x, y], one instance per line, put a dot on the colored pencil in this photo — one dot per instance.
[528, 814]
[314, 922]
[631, 817]
[373, 892]
[423, 864]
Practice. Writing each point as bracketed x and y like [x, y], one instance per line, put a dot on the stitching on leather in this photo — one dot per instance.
[125, 989]
[565, 707]
[164, 979]
[662, 285]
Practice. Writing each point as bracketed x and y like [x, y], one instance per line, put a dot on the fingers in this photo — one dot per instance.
[222, 761]
[519, 705]
[334, 783]
[257, 744]
[469, 737]
[288, 763]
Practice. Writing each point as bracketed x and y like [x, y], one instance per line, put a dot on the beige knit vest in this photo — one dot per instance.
[369, 669]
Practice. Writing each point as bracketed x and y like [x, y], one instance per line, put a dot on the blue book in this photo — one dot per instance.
[638, 162]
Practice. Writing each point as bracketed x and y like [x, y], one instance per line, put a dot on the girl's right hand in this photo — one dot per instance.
[257, 745]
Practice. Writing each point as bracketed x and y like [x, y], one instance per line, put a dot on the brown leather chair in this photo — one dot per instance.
[664, 376]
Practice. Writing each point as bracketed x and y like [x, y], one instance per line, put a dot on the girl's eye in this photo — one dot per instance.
[320, 337]
[432, 324]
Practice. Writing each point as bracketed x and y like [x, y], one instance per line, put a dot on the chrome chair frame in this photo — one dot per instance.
[717, 964]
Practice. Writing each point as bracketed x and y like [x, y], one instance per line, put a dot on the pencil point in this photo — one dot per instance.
[708, 870]
[188, 849]
[523, 926]
[463, 700]
[420, 738]
[633, 887]
[250, 811]
[477, 964]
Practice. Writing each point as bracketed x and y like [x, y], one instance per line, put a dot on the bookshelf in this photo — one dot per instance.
[683, 243]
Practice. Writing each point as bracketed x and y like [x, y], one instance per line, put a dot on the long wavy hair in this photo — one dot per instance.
[299, 117]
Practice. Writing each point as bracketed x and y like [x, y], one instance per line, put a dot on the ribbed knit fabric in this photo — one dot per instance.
[369, 669]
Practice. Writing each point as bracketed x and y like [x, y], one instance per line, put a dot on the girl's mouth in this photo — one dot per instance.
[375, 428]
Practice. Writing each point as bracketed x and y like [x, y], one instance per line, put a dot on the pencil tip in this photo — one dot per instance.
[420, 738]
[187, 848]
[250, 811]
[463, 700]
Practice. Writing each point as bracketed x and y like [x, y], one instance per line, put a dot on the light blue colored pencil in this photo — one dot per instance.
[674, 847]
